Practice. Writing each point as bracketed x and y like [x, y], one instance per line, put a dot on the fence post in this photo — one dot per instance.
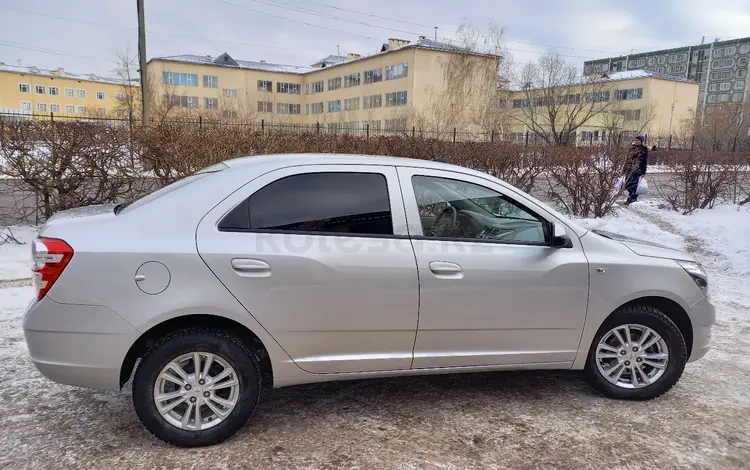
[492, 136]
[454, 135]
[526, 138]
[669, 144]
[734, 146]
[645, 137]
[51, 116]
[692, 144]
[414, 130]
[262, 124]
[317, 127]
[200, 122]
[367, 129]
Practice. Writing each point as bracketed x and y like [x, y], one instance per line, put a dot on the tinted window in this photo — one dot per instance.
[354, 203]
[459, 209]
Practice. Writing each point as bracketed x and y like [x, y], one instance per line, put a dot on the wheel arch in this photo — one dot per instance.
[247, 336]
[670, 308]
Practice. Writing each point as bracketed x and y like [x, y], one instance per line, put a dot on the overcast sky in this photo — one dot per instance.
[302, 31]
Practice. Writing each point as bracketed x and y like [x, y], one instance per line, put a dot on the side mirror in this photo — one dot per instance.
[560, 238]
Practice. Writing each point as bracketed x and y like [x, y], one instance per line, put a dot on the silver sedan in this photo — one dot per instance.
[278, 270]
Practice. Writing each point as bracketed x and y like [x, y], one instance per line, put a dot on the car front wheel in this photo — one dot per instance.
[637, 354]
[196, 387]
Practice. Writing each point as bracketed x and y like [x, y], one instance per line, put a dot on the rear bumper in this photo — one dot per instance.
[77, 345]
[703, 317]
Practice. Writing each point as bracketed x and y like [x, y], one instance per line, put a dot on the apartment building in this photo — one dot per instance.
[720, 67]
[336, 92]
[31, 91]
[627, 103]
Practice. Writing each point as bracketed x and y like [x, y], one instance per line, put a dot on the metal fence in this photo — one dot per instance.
[366, 130]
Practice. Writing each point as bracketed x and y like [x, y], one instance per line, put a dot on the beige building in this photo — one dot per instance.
[628, 103]
[31, 91]
[349, 92]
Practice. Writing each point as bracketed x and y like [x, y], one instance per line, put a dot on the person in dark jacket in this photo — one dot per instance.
[635, 168]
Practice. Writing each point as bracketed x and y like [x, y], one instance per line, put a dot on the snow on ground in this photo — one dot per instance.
[15, 259]
[498, 420]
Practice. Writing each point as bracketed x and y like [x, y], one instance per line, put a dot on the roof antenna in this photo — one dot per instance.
[338, 51]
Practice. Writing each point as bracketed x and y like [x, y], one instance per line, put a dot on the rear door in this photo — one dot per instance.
[319, 255]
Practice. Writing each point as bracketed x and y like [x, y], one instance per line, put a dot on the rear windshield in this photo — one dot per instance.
[143, 200]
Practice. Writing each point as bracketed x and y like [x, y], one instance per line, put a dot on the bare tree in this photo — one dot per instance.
[618, 119]
[557, 99]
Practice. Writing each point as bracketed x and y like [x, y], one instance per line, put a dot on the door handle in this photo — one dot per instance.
[446, 270]
[251, 267]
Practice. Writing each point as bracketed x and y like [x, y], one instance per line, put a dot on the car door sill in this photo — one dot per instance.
[458, 369]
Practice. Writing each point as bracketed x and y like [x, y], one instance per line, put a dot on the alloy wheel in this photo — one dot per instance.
[632, 356]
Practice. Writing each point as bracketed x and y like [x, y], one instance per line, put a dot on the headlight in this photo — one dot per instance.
[698, 274]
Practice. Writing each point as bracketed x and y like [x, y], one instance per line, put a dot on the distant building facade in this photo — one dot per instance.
[721, 68]
[31, 91]
[336, 92]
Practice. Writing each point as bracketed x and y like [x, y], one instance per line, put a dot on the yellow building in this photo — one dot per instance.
[349, 92]
[627, 103]
[30, 91]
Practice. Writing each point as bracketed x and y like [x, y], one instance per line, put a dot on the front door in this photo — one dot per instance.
[493, 291]
[319, 256]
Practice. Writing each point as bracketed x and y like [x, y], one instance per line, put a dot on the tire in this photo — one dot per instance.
[225, 350]
[649, 317]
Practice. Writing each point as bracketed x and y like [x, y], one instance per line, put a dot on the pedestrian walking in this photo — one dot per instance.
[635, 167]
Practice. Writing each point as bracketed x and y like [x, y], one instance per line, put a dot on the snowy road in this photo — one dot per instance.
[499, 420]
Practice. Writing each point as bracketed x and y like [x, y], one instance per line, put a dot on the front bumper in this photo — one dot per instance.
[703, 317]
[79, 345]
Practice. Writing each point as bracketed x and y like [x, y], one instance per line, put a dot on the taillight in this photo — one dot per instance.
[50, 256]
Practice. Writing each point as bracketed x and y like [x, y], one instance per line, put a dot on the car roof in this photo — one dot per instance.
[295, 159]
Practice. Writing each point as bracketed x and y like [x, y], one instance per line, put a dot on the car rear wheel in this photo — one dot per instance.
[637, 354]
[196, 387]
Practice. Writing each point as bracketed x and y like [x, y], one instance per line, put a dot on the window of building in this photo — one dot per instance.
[288, 108]
[228, 113]
[724, 97]
[70, 109]
[629, 114]
[23, 87]
[592, 97]
[674, 58]
[737, 97]
[210, 81]
[744, 49]
[352, 80]
[741, 73]
[101, 112]
[181, 101]
[373, 76]
[629, 94]
[394, 125]
[55, 108]
[81, 93]
[335, 203]
[334, 106]
[372, 101]
[100, 95]
[721, 75]
[291, 88]
[174, 78]
[25, 105]
[679, 68]
[211, 103]
[317, 87]
[265, 107]
[41, 107]
[395, 99]
[120, 96]
[265, 85]
[434, 194]
[351, 104]
[69, 92]
[722, 63]
[742, 61]
[316, 108]
[334, 83]
[739, 85]
[636, 63]
[307, 108]
[521, 103]
[82, 110]
[726, 86]
[54, 91]
[393, 72]
[229, 92]
[661, 60]
[40, 89]
[651, 61]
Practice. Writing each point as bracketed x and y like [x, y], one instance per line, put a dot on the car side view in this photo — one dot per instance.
[270, 271]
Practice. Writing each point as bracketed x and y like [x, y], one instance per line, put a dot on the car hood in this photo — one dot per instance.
[646, 248]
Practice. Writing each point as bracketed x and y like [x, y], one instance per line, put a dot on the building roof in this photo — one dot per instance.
[706, 45]
[330, 61]
[60, 73]
[634, 74]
